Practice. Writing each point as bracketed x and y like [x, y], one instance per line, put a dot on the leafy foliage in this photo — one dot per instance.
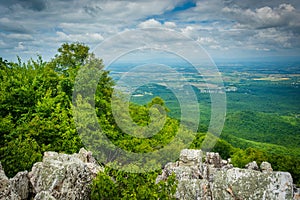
[113, 184]
[36, 116]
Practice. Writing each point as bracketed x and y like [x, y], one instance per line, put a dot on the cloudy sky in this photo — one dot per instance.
[227, 29]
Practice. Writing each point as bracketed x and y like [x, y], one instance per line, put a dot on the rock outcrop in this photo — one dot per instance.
[7, 191]
[58, 176]
[62, 176]
[218, 179]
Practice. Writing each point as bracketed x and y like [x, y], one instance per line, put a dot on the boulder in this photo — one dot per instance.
[296, 193]
[63, 176]
[21, 185]
[252, 165]
[213, 159]
[218, 179]
[7, 192]
[266, 167]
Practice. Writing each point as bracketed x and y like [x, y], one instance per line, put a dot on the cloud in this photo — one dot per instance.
[42, 25]
[17, 37]
[170, 24]
[152, 23]
[206, 40]
[36, 5]
[263, 17]
[9, 25]
[20, 46]
[189, 31]
[272, 37]
[86, 38]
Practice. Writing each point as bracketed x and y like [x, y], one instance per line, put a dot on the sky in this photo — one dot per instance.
[227, 29]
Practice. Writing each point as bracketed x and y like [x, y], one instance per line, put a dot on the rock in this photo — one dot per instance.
[62, 176]
[252, 165]
[188, 166]
[217, 179]
[296, 193]
[213, 159]
[7, 192]
[266, 167]
[250, 184]
[20, 183]
[44, 195]
[191, 157]
[58, 176]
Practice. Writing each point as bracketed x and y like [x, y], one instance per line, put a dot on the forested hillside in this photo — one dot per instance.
[36, 116]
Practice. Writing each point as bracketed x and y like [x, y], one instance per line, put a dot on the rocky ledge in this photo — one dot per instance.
[58, 176]
[61, 176]
[210, 177]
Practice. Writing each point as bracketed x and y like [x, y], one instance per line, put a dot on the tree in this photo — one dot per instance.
[113, 184]
[70, 56]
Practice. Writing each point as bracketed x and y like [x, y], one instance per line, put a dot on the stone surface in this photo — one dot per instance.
[64, 176]
[296, 193]
[217, 179]
[58, 176]
[252, 165]
[61, 176]
[44, 195]
[20, 183]
[213, 159]
[266, 167]
[7, 192]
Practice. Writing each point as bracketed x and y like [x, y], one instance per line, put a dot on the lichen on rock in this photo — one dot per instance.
[58, 176]
[218, 179]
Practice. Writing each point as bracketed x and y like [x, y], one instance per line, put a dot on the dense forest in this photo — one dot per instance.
[36, 116]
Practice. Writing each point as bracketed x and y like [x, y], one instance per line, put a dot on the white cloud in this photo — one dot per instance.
[86, 38]
[20, 47]
[170, 24]
[151, 23]
[264, 17]
[18, 36]
[189, 31]
[218, 25]
[206, 40]
[273, 37]
[3, 44]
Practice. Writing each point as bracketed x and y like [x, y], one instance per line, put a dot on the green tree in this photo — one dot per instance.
[114, 184]
[70, 56]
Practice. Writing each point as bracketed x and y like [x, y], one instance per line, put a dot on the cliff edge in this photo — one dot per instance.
[62, 176]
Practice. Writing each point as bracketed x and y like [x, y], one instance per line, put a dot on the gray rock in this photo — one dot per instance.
[296, 193]
[238, 183]
[252, 165]
[188, 167]
[58, 176]
[64, 176]
[21, 185]
[61, 176]
[217, 179]
[213, 159]
[191, 157]
[266, 167]
[7, 192]
[44, 195]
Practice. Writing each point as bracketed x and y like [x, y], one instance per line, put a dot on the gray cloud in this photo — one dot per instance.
[219, 25]
[285, 15]
[36, 5]
[10, 26]
[253, 4]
